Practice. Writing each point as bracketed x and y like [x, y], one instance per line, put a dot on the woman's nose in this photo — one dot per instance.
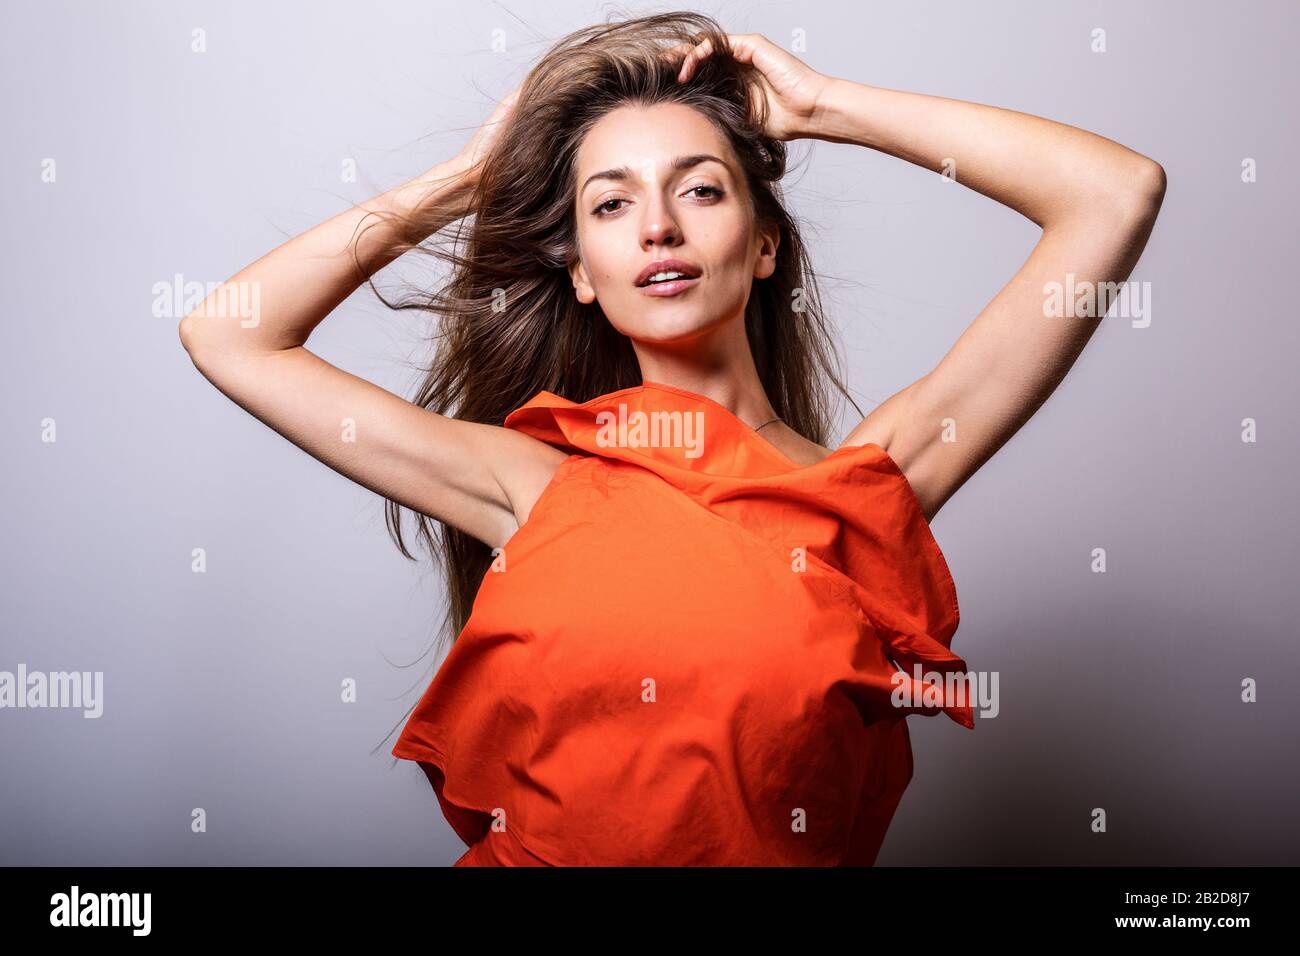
[658, 227]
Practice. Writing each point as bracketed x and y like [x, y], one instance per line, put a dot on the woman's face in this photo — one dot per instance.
[646, 193]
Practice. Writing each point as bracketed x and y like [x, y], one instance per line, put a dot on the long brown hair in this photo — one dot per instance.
[523, 236]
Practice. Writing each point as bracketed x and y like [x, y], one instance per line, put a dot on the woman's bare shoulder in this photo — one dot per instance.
[524, 466]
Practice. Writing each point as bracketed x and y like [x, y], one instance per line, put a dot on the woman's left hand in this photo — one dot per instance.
[793, 89]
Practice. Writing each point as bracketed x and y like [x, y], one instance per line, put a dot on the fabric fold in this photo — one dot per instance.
[873, 508]
[700, 652]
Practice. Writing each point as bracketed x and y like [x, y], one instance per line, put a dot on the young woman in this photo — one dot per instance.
[689, 632]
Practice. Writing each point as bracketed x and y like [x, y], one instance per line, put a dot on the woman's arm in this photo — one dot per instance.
[1096, 202]
[460, 472]
[302, 281]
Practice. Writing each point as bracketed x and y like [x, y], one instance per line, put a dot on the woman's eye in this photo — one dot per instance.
[604, 209]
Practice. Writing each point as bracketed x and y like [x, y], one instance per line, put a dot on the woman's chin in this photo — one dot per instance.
[665, 326]
[671, 333]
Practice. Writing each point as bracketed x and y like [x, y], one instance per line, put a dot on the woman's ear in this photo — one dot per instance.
[581, 284]
[769, 238]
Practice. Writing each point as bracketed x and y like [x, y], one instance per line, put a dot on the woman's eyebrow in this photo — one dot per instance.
[624, 173]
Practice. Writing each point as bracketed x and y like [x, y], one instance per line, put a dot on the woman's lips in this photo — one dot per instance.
[671, 287]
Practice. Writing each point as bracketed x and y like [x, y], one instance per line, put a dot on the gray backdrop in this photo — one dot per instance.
[222, 690]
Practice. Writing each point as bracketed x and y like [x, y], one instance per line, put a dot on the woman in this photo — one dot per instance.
[689, 633]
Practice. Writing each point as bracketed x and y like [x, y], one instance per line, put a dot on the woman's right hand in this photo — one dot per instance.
[450, 184]
[470, 159]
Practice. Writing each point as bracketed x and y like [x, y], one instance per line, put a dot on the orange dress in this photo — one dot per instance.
[690, 652]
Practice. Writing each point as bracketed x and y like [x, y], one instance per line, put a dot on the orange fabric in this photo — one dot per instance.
[687, 657]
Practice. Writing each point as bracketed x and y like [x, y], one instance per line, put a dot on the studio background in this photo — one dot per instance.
[1119, 690]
